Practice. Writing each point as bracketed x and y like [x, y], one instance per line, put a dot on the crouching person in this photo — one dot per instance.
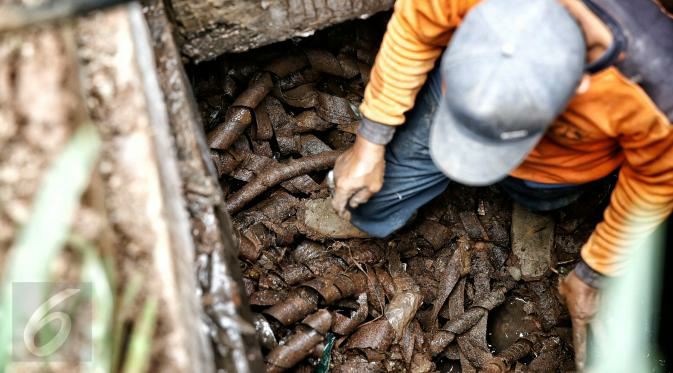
[524, 96]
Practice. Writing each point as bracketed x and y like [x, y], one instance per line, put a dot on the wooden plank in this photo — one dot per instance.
[209, 28]
[209, 223]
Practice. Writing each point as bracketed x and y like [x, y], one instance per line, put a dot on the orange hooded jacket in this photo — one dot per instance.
[614, 124]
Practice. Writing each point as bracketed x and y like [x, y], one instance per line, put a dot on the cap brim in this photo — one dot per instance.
[472, 160]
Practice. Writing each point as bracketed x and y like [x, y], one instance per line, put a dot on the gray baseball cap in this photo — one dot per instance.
[508, 72]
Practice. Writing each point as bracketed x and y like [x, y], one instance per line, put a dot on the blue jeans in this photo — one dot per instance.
[411, 178]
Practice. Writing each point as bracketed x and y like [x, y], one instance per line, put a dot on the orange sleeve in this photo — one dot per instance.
[643, 196]
[416, 34]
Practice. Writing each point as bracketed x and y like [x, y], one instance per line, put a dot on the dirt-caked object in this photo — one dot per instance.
[299, 303]
[274, 175]
[319, 221]
[468, 319]
[300, 344]
[239, 116]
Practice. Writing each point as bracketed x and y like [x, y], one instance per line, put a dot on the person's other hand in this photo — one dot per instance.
[358, 173]
[582, 302]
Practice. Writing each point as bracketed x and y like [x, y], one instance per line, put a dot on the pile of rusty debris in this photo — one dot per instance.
[328, 297]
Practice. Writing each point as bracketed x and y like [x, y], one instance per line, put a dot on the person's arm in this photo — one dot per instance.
[643, 196]
[417, 32]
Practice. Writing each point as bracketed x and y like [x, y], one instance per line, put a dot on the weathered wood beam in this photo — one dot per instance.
[217, 255]
[208, 28]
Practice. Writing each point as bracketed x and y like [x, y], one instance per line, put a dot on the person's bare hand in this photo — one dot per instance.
[358, 173]
[582, 302]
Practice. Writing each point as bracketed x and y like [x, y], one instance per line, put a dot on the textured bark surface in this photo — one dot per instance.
[216, 254]
[208, 28]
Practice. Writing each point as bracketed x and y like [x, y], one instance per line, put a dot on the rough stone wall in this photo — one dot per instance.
[208, 28]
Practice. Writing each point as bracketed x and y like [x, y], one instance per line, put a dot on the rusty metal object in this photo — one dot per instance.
[473, 345]
[507, 358]
[254, 164]
[225, 162]
[547, 305]
[324, 61]
[301, 184]
[296, 273]
[253, 241]
[309, 120]
[265, 333]
[286, 65]
[401, 310]
[467, 320]
[311, 145]
[262, 148]
[547, 357]
[262, 130]
[331, 108]
[450, 276]
[360, 252]
[309, 251]
[339, 140]
[297, 78]
[288, 142]
[346, 325]
[249, 166]
[276, 208]
[335, 109]
[408, 341]
[280, 119]
[267, 297]
[326, 288]
[360, 281]
[299, 303]
[473, 226]
[239, 115]
[333, 288]
[377, 335]
[300, 344]
[435, 233]
[304, 96]
[321, 321]
[275, 175]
